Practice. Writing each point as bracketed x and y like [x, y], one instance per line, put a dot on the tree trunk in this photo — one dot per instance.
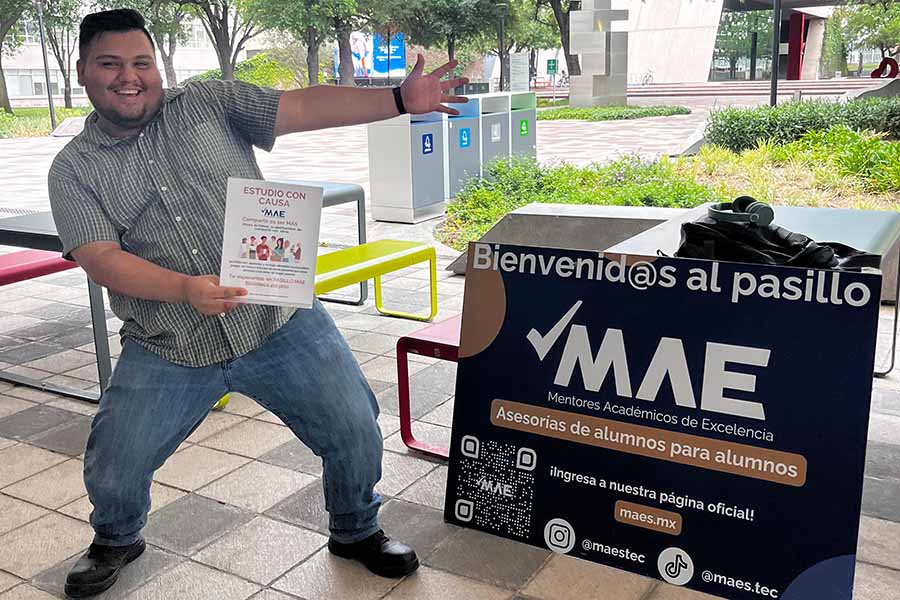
[312, 55]
[167, 46]
[223, 53]
[451, 47]
[4, 94]
[532, 65]
[732, 67]
[69, 49]
[345, 53]
[56, 39]
[6, 24]
[562, 19]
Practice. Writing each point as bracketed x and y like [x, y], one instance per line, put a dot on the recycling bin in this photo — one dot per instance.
[494, 110]
[408, 167]
[522, 126]
[464, 145]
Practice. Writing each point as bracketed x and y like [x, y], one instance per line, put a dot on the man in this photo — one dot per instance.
[262, 250]
[136, 198]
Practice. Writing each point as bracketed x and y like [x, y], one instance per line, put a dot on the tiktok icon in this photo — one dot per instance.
[675, 566]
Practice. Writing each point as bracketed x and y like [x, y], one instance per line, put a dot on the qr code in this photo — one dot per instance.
[496, 486]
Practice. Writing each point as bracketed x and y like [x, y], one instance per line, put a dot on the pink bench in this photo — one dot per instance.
[440, 340]
[28, 264]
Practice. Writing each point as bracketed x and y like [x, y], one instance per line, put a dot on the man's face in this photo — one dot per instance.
[122, 80]
[263, 240]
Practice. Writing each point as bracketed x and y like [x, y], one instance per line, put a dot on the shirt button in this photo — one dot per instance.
[150, 162]
[194, 251]
[141, 134]
[164, 188]
[178, 219]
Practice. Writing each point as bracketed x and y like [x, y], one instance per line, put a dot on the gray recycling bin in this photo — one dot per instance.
[522, 125]
[408, 167]
[464, 145]
[494, 127]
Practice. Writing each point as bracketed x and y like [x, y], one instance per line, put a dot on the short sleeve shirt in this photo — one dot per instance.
[161, 196]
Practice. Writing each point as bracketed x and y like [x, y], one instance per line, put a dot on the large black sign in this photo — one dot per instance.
[699, 422]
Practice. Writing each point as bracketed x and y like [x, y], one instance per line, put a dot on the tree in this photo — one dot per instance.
[311, 22]
[166, 24]
[874, 25]
[447, 22]
[527, 27]
[537, 33]
[837, 47]
[61, 18]
[229, 25]
[735, 32]
[10, 13]
[561, 11]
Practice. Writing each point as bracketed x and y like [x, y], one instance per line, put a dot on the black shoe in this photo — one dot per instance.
[379, 554]
[98, 569]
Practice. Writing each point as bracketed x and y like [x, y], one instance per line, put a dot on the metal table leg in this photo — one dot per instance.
[894, 336]
[361, 234]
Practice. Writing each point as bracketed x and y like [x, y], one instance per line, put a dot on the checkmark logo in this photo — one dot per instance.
[543, 343]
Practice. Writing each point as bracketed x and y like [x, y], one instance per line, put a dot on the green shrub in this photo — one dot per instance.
[610, 113]
[741, 129]
[261, 70]
[630, 181]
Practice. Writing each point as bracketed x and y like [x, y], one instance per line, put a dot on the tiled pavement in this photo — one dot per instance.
[238, 510]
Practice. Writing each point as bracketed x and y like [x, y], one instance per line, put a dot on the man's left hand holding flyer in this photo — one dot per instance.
[271, 241]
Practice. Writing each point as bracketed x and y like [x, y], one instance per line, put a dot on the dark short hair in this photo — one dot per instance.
[118, 20]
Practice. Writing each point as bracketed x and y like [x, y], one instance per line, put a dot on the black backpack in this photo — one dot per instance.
[757, 241]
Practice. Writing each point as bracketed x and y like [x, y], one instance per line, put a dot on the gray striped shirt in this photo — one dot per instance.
[161, 196]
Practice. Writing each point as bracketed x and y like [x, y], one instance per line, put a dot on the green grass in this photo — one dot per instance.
[610, 113]
[548, 102]
[35, 122]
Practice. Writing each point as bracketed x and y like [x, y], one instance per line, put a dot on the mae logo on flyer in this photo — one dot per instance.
[658, 417]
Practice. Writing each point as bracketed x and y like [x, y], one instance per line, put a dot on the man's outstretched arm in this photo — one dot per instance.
[320, 107]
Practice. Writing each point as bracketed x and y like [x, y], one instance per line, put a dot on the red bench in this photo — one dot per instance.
[28, 264]
[440, 340]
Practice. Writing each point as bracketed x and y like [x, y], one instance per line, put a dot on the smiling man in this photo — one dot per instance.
[139, 201]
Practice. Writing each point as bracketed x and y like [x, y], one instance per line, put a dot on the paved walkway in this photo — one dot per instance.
[238, 511]
[342, 154]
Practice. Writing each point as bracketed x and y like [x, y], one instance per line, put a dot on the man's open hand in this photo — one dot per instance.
[204, 293]
[426, 93]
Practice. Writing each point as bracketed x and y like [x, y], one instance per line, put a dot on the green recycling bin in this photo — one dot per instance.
[523, 125]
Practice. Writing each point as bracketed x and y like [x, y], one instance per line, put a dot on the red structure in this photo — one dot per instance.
[888, 69]
[796, 43]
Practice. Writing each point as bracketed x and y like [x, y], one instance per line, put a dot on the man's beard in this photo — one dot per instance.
[128, 121]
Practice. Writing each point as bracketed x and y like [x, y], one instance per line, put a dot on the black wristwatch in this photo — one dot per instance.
[398, 100]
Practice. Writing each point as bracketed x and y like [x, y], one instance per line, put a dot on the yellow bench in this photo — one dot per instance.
[350, 266]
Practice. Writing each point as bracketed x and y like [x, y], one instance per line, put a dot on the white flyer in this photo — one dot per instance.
[271, 241]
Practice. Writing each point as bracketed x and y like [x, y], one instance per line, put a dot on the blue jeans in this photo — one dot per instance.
[304, 373]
